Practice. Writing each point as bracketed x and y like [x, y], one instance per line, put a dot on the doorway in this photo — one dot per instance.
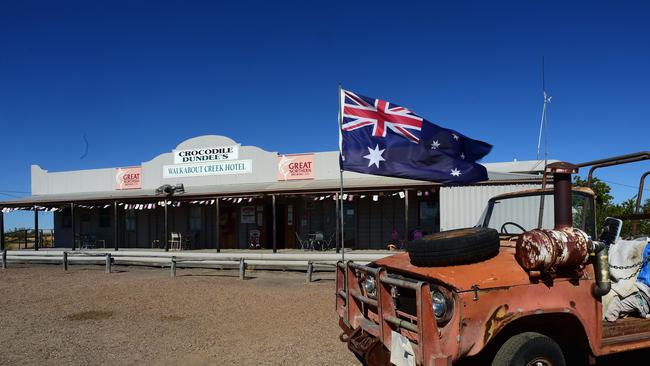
[280, 224]
[227, 227]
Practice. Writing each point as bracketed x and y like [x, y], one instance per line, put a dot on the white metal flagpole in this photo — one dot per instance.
[341, 173]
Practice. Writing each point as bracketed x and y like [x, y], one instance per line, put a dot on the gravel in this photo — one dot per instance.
[139, 315]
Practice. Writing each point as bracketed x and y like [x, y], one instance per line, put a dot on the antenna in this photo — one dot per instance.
[543, 125]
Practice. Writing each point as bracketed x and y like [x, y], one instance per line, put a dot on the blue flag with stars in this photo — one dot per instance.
[382, 138]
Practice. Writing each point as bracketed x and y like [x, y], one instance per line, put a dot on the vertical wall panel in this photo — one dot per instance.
[463, 206]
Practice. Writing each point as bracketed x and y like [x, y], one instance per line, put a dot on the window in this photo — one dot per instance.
[524, 212]
[129, 220]
[429, 220]
[67, 218]
[104, 217]
[195, 218]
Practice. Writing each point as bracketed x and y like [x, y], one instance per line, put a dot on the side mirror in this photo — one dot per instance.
[611, 230]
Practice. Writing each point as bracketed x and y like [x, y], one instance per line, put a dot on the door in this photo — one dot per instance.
[290, 227]
[280, 224]
[428, 216]
[227, 227]
[350, 224]
[130, 228]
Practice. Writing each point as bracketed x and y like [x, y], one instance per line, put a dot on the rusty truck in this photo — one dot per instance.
[505, 292]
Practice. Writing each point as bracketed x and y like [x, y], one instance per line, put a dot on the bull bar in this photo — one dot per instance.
[420, 328]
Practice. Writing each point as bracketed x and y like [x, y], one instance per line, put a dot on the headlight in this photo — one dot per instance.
[370, 286]
[439, 304]
[442, 306]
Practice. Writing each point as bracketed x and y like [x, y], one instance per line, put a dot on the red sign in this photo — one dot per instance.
[297, 166]
[128, 178]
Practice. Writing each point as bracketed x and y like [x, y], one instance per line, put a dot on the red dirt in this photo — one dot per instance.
[140, 315]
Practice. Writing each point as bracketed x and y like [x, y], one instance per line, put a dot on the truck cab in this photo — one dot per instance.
[523, 287]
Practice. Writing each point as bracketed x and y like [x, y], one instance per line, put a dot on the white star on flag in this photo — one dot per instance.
[374, 156]
[435, 145]
[462, 156]
[455, 172]
[454, 136]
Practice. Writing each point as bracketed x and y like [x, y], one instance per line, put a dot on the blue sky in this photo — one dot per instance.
[137, 78]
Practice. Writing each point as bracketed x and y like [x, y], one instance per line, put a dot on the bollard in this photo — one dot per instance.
[65, 261]
[108, 263]
[310, 270]
[242, 269]
[4, 259]
[173, 267]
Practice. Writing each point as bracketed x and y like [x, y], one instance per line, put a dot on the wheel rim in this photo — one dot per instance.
[540, 362]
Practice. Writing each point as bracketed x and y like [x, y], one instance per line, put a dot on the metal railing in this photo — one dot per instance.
[66, 258]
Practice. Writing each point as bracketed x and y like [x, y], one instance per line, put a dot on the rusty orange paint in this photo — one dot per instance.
[501, 270]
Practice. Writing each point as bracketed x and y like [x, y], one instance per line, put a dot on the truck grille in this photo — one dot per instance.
[409, 313]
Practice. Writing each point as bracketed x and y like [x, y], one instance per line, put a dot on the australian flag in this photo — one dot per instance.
[382, 138]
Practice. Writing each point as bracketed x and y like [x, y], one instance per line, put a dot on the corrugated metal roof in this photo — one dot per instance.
[366, 182]
[523, 166]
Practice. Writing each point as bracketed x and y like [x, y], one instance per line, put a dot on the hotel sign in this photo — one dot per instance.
[128, 178]
[206, 154]
[204, 169]
[206, 161]
[296, 166]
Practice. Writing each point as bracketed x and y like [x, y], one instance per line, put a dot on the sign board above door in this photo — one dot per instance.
[206, 154]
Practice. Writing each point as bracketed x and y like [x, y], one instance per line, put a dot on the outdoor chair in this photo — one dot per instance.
[87, 242]
[304, 244]
[176, 241]
[316, 240]
[328, 244]
[186, 242]
[102, 241]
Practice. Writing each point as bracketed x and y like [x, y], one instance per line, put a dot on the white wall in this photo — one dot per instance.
[462, 207]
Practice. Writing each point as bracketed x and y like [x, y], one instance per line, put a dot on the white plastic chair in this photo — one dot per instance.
[176, 241]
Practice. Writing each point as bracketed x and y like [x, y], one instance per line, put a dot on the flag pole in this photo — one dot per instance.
[341, 176]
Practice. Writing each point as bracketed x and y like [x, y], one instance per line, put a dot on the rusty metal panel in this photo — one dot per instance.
[487, 313]
[462, 207]
[498, 271]
[548, 251]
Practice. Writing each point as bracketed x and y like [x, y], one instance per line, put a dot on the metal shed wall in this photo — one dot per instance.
[462, 207]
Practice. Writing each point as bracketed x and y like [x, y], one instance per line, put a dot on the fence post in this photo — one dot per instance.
[108, 263]
[4, 259]
[242, 269]
[310, 270]
[2, 230]
[173, 267]
[65, 261]
[37, 238]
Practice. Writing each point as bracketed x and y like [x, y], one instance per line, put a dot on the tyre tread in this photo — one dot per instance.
[454, 247]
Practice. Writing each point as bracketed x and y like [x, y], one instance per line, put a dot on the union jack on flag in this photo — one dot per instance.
[363, 112]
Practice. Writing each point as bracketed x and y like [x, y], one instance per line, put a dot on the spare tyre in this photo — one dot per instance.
[454, 247]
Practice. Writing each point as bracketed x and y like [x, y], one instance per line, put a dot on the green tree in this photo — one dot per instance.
[603, 197]
[606, 208]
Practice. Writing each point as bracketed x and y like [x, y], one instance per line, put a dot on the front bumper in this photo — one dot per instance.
[379, 317]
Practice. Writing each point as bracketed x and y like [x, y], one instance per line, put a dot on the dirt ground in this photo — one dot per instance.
[139, 315]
